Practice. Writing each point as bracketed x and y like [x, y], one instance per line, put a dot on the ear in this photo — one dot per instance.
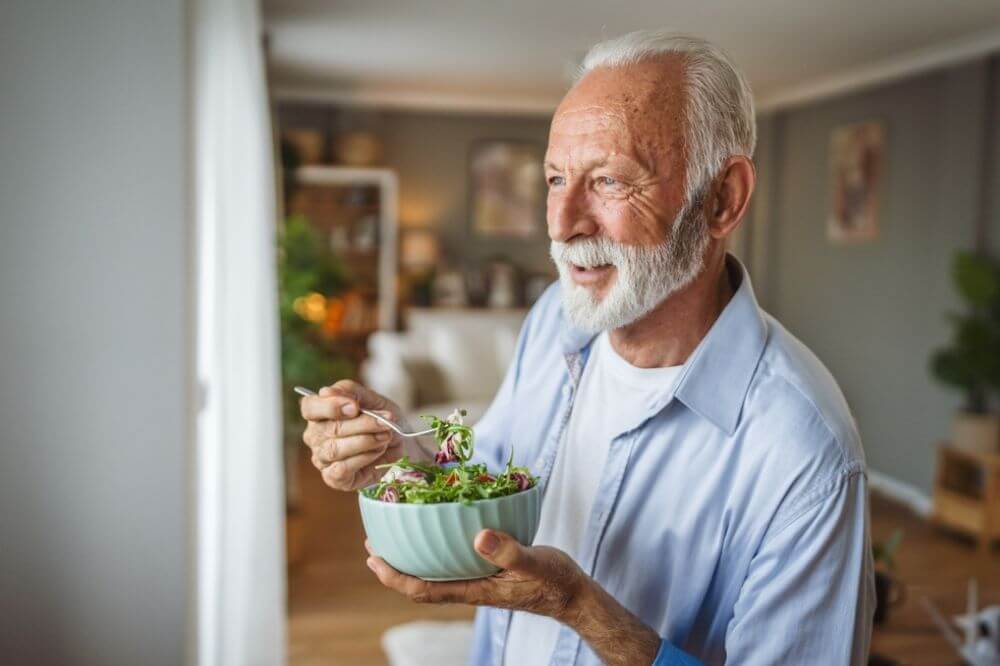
[731, 194]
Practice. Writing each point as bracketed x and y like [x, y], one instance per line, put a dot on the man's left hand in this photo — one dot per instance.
[540, 580]
[537, 579]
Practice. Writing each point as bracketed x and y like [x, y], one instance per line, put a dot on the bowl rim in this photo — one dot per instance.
[520, 493]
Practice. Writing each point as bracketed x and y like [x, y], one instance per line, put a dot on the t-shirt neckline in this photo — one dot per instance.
[622, 370]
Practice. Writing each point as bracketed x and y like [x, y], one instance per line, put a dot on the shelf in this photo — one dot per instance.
[352, 335]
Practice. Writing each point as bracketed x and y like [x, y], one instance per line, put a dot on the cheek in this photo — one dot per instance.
[634, 220]
[553, 211]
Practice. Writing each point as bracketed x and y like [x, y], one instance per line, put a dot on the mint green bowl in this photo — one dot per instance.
[434, 541]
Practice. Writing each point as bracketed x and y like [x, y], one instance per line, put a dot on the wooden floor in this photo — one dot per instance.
[338, 610]
[937, 564]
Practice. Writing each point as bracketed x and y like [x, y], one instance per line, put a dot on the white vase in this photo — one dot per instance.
[976, 433]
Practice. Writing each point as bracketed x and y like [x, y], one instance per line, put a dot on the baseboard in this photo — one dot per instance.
[908, 495]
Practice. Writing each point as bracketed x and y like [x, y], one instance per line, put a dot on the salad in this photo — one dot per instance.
[450, 478]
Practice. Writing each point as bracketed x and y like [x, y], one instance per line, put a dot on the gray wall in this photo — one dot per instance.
[874, 312]
[992, 177]
[430, 153]
[93, 335]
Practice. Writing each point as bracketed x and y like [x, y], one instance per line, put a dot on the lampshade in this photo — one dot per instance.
[419, 249]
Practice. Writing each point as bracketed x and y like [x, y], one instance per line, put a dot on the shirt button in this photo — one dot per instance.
[567, 389]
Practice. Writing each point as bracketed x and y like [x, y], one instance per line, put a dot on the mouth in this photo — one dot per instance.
[591, 275]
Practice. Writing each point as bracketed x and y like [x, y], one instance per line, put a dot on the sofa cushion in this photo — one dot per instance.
[467, 361]
[429, 383]
[453, 356]
[471, 347]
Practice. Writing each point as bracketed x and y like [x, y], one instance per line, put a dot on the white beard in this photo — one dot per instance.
[644, 276]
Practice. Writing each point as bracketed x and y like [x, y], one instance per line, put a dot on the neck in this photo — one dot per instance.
[669, 333]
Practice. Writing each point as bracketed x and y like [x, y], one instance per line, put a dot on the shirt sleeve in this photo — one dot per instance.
[809, 594]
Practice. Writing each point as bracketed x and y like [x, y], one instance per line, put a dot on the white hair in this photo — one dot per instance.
[718, 109]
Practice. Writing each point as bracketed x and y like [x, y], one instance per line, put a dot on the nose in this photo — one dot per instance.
[568, 214]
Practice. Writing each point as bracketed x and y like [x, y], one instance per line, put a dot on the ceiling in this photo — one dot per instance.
[518, 55]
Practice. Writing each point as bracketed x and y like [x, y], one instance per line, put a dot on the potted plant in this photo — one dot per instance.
[972, 362]
[889, 591]
[310, 276]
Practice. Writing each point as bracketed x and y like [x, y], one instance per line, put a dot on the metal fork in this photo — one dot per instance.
[303, 391]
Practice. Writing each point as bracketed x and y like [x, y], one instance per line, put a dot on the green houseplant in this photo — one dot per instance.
[310, 276]
[971, 362]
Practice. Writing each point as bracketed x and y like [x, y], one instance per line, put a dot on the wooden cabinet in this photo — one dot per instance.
[967, 493]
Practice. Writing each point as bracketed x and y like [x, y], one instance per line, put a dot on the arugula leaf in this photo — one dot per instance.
[457, 481]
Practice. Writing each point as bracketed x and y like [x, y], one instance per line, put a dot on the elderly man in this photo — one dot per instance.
[704, 483]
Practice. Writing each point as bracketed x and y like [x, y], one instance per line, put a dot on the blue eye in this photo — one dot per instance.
[556, 180]
[607, 180]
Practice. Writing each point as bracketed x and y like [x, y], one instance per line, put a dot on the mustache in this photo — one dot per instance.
[588, 252]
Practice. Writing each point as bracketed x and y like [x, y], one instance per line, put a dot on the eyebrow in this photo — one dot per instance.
[589, 165]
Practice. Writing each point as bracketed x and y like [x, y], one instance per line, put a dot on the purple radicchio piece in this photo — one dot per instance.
[447, 453]
[522, 480]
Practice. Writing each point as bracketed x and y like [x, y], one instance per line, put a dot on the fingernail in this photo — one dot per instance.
[350, 409]
[371, 563]
[488, 544]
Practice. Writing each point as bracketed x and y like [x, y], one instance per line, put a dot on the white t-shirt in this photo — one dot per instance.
[607, 379]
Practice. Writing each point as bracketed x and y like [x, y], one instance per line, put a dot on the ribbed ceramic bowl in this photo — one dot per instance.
[434, 541]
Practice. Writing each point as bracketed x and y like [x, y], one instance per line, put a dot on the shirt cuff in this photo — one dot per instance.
[670, 655]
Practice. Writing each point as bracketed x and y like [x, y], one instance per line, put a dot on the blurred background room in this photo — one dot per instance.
[204, 203]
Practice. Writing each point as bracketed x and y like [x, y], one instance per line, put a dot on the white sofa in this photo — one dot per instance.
[447, 358]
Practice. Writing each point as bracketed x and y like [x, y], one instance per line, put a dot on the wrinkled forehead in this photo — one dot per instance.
[608, 116]
[640, 104]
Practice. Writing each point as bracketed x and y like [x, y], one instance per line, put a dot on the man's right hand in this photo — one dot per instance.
[346, 444]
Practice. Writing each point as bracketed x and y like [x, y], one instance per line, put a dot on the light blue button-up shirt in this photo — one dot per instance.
[732, 518]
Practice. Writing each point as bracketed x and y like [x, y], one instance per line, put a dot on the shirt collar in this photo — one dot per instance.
[717, 375]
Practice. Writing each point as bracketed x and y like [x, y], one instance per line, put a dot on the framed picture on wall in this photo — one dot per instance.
[507, 188]
[856, 161]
